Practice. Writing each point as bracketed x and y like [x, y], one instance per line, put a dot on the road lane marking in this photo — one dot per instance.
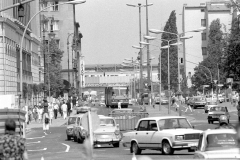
[126, 149]
[68, 147]
[36, 137]
[33, 142]
[44, 149]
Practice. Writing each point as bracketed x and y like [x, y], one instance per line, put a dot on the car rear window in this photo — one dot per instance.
[71, 120]
[221, 140]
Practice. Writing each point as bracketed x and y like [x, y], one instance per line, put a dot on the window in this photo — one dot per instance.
[58, 42]
[204, 36]
[55, 7]
[71, 120]
[203, 22]
[55, 25]
[143, 126]
[152, 126]
[204, 50]
[44, 5]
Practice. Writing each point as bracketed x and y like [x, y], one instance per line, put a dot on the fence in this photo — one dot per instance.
[128, 121]
[16, 114]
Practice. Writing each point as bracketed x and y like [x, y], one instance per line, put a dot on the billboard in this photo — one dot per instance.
[82, 73]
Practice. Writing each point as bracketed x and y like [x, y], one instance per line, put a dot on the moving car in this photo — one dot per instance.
[217, 144]
[215, 112]
[79, 131]
[70, 125]
[167, 134]
[82, 109]
[107, 133]
[198, 102]
[164, 100]
[209, 105]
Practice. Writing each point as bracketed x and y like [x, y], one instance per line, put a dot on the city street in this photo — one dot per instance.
[56, 146]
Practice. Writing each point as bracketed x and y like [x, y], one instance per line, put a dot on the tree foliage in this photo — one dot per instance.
[210, 66]
[173, 53]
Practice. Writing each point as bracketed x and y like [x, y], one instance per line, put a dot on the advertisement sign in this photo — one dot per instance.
[82, 73]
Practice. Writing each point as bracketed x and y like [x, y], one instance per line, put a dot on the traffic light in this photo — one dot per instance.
[149, 87]
[20, 11]
[181, 61]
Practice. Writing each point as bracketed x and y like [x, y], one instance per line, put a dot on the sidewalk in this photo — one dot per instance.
[231, 107]
[155, 112]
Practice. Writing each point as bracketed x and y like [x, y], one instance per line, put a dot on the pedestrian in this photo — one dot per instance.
[188, 105]
[51, 114]
[40, 111]
[224, 123]
[238, 108]
[46, 121]
[64, 110]
[12, 146]
[119, 105]
[35, 114]
[68, 108]
[55, 107]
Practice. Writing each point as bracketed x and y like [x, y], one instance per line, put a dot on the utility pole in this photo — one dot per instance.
[141, 57]
[148, 54]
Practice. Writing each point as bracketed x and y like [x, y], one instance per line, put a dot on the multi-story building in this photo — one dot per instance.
[11, 32]
[194, 17]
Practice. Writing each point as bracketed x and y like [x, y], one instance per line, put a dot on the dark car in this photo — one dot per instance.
[197, 102]
[82, 109]
[215, 112]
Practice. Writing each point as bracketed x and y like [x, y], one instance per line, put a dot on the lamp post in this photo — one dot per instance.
[26, 27]
[68, 55]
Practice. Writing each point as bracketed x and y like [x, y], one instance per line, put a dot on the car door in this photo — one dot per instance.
[141, 133]
[152, 130]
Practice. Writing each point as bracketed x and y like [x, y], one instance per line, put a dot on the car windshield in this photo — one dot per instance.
[198, 99]
[71, 120]
[217, 109]
[107, 122]
[221, 141]
[173, 123]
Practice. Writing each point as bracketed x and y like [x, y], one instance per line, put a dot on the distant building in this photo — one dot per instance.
[11, 31]
[194, 17]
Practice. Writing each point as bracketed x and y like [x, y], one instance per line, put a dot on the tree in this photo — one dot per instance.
[54, 68]
[216, 45]
[173, 57]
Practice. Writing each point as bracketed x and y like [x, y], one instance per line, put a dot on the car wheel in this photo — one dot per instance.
[80, 140]
[166, 148]
[68, 137]
[135, 149]
[116, 145]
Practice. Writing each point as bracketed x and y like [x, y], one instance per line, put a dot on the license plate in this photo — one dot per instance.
[192, 144]
[215, 116]
[104, 140]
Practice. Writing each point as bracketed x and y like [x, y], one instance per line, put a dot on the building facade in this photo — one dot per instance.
[194, 17]
[11, 32]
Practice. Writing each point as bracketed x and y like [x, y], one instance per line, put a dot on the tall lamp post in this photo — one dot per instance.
[24, 32]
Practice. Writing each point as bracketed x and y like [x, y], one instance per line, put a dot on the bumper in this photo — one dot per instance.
[185, 145]
[213, 119]
[106, 141]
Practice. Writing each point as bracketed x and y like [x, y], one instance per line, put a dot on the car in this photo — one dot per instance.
[215, 112]
[79, 132]
[217, 144]
[198, 102]
[209, 105]
[164, 100]
[82, 109]
[70, 125]
[221, 98]
[107, 133]
[167, 133]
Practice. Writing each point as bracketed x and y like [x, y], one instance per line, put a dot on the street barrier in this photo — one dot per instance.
[128, 121]
[16, 114]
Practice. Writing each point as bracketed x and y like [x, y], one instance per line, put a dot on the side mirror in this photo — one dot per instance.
[193, 126]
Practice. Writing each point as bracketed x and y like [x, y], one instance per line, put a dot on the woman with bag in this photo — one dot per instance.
[46, 121]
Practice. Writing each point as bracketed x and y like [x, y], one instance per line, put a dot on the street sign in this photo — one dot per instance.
[82, 73]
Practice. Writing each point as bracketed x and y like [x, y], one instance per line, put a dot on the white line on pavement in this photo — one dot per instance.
[33, 142]
[35, 137]
[44, 149]
[127, 149]
[68, 147]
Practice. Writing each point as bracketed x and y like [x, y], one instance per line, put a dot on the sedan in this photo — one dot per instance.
[209, 105]
[215, 112]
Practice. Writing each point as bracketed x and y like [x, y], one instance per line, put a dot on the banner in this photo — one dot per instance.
[82, 73]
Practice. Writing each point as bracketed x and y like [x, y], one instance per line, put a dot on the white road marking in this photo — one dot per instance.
[33, 142]
[35, 137]
[100, 150]
[68, 147]
[126, 149]
[44, 149]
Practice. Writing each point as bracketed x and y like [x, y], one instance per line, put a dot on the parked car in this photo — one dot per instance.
[167, 134]
[209, 105]
[164, 100]
[217, 144]
[79, 132]
[198, 102]
[70, 125]
[215, 112]
[107, 133]
[82, 109]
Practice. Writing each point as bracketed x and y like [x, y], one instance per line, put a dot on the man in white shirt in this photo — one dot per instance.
[64, 109]
[55, 107]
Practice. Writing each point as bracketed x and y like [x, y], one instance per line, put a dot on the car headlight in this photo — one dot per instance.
[179, 137]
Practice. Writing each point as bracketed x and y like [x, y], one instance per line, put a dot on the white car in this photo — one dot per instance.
[217, 144]
[209, 105]
[221, 98]
[167, 134]
[107, 133]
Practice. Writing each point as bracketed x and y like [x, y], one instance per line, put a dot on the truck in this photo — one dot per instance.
[113, 96]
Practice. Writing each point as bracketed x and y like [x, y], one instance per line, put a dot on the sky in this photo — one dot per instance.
[110, 27]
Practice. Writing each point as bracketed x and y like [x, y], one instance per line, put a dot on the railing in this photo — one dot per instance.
[128, 121]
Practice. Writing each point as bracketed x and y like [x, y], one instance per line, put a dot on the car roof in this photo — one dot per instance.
[216, 131]
[77, 115]
[162, 117]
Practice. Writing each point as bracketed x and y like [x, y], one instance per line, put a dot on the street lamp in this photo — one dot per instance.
[26, 27]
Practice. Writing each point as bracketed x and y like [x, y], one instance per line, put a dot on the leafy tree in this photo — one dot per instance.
[216, 45]
[54, 68]
[173, 53]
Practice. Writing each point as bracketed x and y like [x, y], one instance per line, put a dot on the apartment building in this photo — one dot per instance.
[194, 17]
[11, 32]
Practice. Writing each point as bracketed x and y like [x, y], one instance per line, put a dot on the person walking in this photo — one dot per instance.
[68, 108]
[51, 114]
[188, 105]
[55, 107]
[35, 114]
[12, 146]
[46, 121]
[119, 105]
[40, 112]
[64, 109]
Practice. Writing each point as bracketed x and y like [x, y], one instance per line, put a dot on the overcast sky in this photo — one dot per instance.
[110, 27]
